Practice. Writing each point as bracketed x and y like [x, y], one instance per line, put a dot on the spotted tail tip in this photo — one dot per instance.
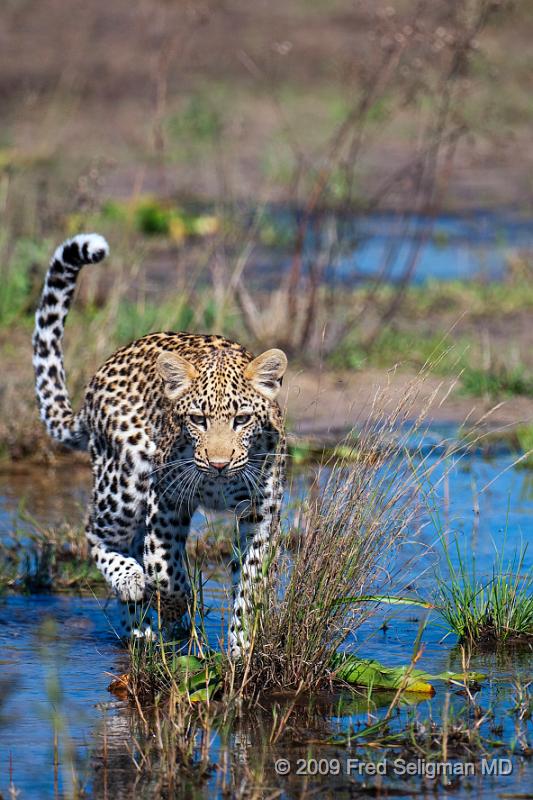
[85, 248]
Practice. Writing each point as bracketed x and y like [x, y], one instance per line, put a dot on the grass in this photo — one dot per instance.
[496, 383]
[357, 515]
[199, 121]
[39, 559]
[35, 558]
[370, 726]
[486, 610]
[21, 262]
[176, 748]
[524, 434]
[405, 348]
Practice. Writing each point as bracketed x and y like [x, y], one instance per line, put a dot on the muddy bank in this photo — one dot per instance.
[327, 404]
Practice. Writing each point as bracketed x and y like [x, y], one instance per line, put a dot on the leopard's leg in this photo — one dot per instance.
[114, 518]
[167, 529]
[137, 618]
[256, 529]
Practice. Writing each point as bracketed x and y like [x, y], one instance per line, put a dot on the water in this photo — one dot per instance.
[475, 245]
[58, 654]
[452, 247]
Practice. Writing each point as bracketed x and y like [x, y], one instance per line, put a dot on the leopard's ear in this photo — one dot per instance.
[177, 373]
[266, 371]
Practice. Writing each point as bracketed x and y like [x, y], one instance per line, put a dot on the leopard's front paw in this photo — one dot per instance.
[147, 633]
[238, 645]
[130, 587]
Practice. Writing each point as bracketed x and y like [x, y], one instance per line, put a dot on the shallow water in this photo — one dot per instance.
[452, 247]
[57, 654]
[468, 246]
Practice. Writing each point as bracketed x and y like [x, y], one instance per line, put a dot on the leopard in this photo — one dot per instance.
[172, 422]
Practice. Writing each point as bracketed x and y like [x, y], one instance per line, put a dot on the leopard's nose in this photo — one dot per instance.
[220, 466]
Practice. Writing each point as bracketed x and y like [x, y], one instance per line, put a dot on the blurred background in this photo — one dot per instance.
[349, 180]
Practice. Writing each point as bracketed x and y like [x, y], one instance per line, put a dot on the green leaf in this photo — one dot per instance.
[207, 693]
[370, 673]
[383, 598]
[188, 664]
[199, 678]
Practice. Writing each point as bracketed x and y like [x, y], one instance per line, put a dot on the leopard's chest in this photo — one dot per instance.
[220, 495]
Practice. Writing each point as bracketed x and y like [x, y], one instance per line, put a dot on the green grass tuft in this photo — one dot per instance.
[493, 609]
[48, 560]
[495, 383]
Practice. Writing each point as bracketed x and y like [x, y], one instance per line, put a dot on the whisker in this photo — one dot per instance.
[185, 490]
[256, 471]
[252, 479]
[168, 464]
[182, 475]
[272, 454]
[195, 488]
[248, 485]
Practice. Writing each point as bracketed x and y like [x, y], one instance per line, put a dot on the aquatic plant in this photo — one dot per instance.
[43, 559]
[358, 512]
[492, 609]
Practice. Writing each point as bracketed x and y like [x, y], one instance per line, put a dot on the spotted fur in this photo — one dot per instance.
[172, 421]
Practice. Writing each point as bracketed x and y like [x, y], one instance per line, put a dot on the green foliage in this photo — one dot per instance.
[495, 383]
[17, 275]
[477, 298]
[152, 218]
[199, 121]
[492, 609]
[370, 673]
[524, 434]
[276, 232]
[408, 348]
[41, 560]
[156, 667]
[418, 350]
[380, 110]
[114, 211]
[390, 600]
[134, 320]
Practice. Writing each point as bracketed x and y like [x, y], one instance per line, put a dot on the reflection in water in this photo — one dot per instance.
[52, 496]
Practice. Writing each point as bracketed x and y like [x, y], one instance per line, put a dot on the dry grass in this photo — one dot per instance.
[358, 513]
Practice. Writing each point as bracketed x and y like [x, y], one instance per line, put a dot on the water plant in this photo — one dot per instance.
[524, 435]
[38, 559]
[486, 609]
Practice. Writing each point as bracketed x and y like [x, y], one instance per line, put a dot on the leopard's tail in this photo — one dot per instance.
[50, 383]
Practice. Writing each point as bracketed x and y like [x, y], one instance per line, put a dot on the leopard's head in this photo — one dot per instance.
[226, 405]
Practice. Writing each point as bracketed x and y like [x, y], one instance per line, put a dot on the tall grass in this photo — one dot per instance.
[358, 513]
[497, 608]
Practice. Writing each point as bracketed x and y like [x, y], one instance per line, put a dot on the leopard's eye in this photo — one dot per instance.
[198, 419]
[242, 419]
